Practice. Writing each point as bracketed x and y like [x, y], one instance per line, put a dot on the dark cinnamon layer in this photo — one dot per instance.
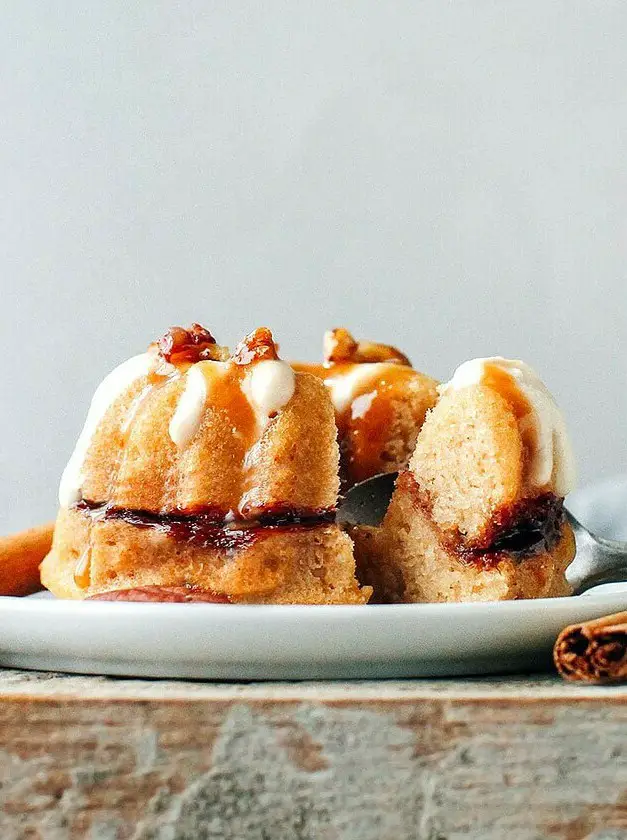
[525, 529]
[208, 528]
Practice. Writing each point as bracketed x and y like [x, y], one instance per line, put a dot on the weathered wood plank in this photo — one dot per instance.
[87, 757]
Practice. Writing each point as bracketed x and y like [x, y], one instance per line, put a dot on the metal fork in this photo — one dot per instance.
[597, 560]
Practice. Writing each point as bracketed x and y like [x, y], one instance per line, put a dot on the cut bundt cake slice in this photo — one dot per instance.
[479, 514]
[205, 471]
[380, 403]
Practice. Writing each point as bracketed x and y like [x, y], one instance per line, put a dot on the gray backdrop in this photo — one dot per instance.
[451, 177]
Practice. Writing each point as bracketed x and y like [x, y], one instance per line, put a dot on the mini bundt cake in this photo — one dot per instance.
[203, 472]
[479, 514]
[380, 404]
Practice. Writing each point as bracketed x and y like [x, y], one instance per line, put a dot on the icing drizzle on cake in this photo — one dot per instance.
[269, 386]
[541, 424]
[112, 386]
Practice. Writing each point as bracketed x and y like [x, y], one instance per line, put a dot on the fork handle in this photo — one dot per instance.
[597, 560]
[616, 575]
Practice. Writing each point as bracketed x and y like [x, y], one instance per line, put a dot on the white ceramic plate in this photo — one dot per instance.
[225, 642]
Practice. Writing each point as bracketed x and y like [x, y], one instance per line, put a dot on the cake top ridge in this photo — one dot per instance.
[189, 424]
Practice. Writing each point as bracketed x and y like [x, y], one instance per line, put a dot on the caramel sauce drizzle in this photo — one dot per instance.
[505, 384]
[364, 424]
[230, 399]
[82, 570]
[179, 349]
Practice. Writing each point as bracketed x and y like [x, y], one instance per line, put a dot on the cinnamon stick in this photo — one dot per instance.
[593, 651]
[20, 556]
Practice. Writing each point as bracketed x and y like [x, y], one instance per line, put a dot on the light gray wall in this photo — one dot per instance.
[451, 177]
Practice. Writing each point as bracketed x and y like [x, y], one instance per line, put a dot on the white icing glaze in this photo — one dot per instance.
[552, 461]
[199, 383]
[346, 385]
[361, 405]
[112, 386]
[188, 414]
[269, 386]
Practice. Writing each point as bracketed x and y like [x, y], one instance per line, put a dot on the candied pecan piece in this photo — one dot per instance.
[256, 346]
[164, 594]
[340, 346]
[194, 344]
[371, 351]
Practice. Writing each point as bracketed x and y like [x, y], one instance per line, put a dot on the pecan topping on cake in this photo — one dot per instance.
[164, 595]
[195, 344]
[340, 346]
[256, 346]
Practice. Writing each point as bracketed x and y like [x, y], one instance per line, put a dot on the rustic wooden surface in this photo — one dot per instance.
[492, 758]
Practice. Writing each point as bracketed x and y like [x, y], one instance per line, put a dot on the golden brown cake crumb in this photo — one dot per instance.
[469, 520]
[380, 403]
[218, 473]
